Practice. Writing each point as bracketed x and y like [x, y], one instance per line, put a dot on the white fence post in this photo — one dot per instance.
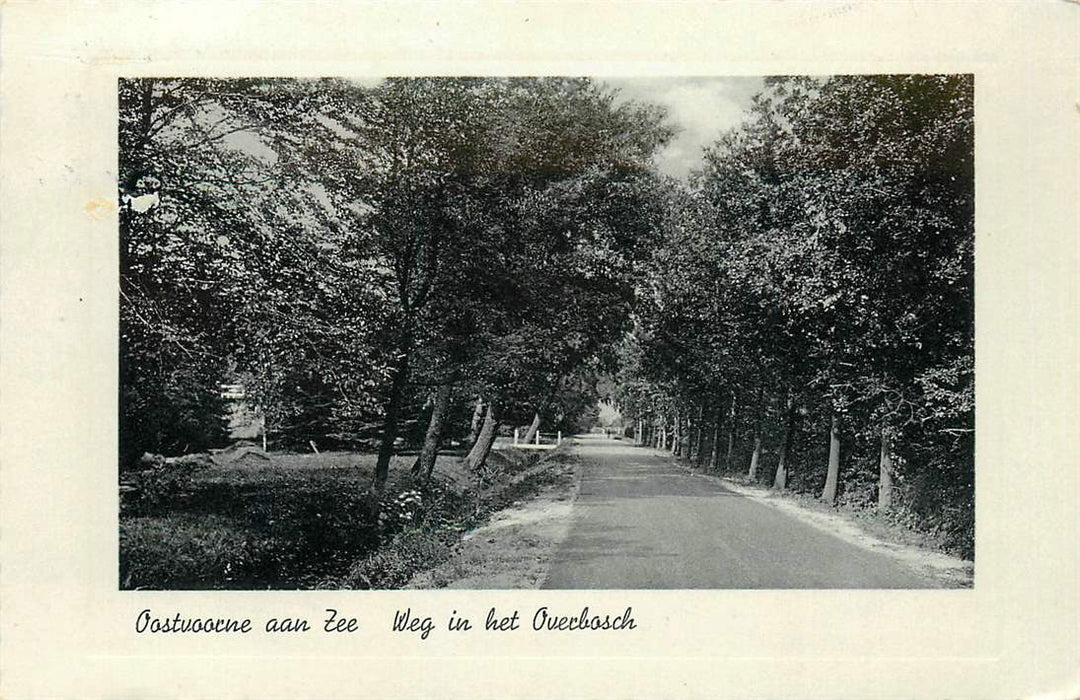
[559, 440]
[537, 437]
[515, 436]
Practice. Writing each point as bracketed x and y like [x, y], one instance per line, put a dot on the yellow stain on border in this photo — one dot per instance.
[99, 208]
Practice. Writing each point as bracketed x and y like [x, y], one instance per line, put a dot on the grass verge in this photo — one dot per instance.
[514, 549]
[305, 521]
[431, 552]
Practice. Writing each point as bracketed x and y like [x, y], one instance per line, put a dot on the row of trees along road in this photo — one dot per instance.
[808, 317]
[417, 259]
[429, 259]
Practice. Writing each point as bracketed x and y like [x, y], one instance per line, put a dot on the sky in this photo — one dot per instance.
[701, 108]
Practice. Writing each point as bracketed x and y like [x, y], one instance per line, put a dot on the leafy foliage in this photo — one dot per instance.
[339, 248]
[345, 251]
[820, 264]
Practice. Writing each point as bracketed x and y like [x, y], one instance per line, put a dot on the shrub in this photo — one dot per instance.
[155, 490]
[322, 522]
[178, 553]
[397, 511]
[271, 528]
[412, 550]
[283, 527]
[168, 405]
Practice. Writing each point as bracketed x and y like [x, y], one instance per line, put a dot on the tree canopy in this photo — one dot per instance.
[817, 274]
[352, 247]
[376, 263]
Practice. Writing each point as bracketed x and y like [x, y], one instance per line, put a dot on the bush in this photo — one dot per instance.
[155, 490]
[179, 553]
[168, 405]
[306, 527]
[420, 530]
[397, 511]
[412, 550]
[271, 528]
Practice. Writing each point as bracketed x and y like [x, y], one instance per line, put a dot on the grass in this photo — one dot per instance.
[515, 548]
[513, 476]
[304, 521]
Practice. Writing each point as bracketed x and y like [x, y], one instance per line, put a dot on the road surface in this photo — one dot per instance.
[642, 522]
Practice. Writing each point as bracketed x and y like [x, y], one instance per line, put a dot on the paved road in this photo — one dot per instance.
[641, 522]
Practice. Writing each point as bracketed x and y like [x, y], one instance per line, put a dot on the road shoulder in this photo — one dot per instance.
[515, 548]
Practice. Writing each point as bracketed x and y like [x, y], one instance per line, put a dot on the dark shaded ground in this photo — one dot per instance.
[303, 521]
[640, 522]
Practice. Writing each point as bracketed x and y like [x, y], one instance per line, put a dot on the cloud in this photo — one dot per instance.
[701, 108]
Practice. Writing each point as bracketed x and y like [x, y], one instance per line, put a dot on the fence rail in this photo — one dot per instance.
[537, 443]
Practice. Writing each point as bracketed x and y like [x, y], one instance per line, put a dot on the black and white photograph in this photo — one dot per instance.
[548, 332]
[539, 349]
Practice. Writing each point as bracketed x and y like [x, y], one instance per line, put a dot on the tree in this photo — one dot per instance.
[451, 176]
[822, 257]
[185, 192]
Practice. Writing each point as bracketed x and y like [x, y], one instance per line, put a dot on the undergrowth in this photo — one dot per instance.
[287, 528]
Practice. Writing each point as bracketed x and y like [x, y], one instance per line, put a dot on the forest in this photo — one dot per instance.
[415, 264]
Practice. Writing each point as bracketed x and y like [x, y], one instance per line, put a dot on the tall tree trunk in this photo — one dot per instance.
[780, 480]
[691, 439]
[885, 479]
[714, 453]
[479, 453]
[425, 463]
[477, 421]
[730, 435]
[685, 447]
[699, 443]
[390, 423]
[676, 428]
[828, 494]
[639, 432]
[752, 474]
[756, 456]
